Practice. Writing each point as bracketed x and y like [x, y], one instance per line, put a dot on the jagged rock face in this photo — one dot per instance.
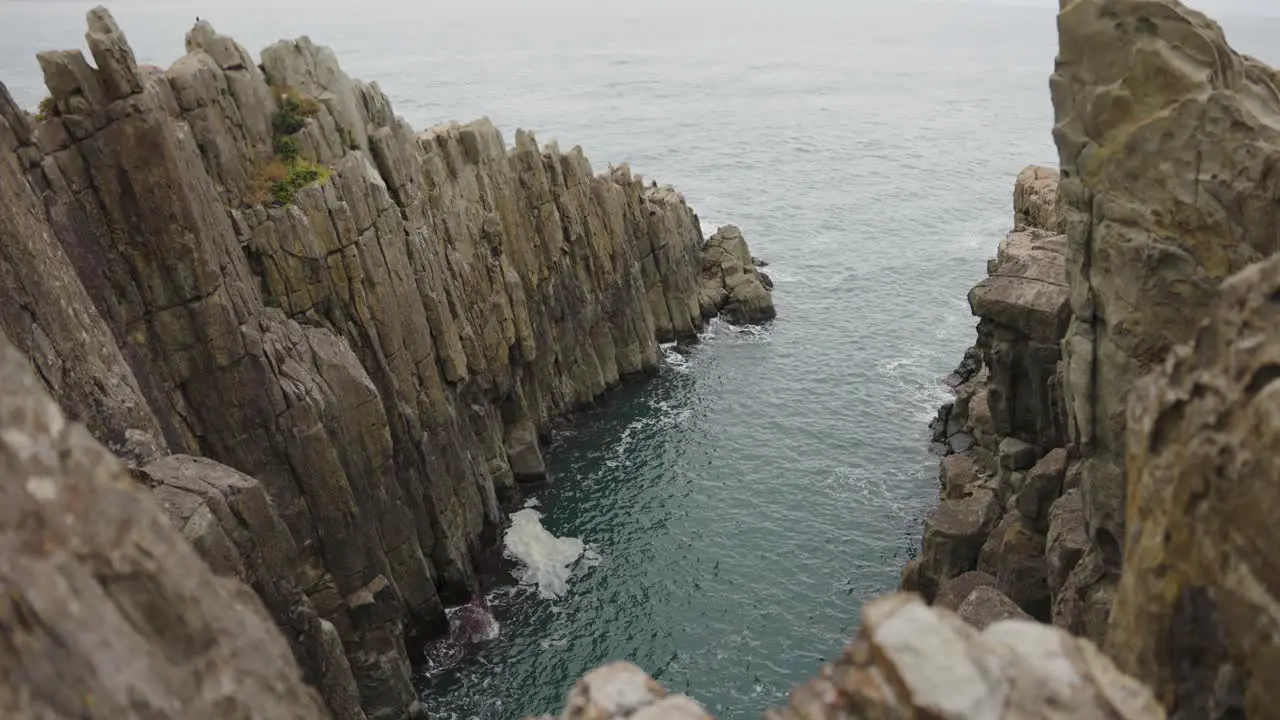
[230, 520]
[377, 354]
[49, 316]
[1023, 311]
[106, 612]
[1167, 142]
[913, 661]
[1197, 611]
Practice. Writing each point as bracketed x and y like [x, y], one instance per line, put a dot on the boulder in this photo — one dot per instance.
[986, 606]
[1023, 309]
[730, 282]
[1017, 455]
[955, 591]
[1035, 200]
[989, 555]
[1082, 606]
[1021, 569]
[909, 580]
[1197, 609]
[1067, 540]
[1042, 487]
[622, 690]
[959, 476]
[913, 661]
[953, 537]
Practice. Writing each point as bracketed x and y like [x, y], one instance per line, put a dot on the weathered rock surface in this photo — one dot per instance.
[105, 611]
[622, 690]
[955, 591]
[1067, 540]
[1023, 310]
[986, 606]
[1167, 141]
[953, 536]
[730, 281]
[1042, 488]
[1197, 610]
[375, 356]
[913, 661]
[1036, 202]
[229, 519]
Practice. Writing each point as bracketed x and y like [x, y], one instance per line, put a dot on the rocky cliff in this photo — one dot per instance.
[328, 343]
[1138, 509]
[327, 346]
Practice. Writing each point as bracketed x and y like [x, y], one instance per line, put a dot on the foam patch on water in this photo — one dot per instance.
[674, 359]
[546, 560]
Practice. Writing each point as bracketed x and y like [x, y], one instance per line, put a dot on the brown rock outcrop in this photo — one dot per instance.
[105, 611]
[1003, 436]
[260, 264]
[1197, 610]
[1167, 141]
[1023, 311]
[1036, 202]
[730, 281]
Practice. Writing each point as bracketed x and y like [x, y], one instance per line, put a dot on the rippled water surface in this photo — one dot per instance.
[738, 509]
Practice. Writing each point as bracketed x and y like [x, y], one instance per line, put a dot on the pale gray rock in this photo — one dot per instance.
[986, 605]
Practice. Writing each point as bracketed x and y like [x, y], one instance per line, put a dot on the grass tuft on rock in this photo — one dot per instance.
[278, 182]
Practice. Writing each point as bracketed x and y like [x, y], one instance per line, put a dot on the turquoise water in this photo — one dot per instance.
[744, 503]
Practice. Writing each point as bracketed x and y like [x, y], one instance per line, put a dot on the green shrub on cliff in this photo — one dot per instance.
[287, 149]
[294, 109]
[47, 108]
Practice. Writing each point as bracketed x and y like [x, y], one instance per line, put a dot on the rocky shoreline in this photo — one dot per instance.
[272, 362]
[1104, 543]
[328, 346]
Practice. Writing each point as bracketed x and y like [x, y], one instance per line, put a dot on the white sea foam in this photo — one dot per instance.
[546, 560]
[674, 358]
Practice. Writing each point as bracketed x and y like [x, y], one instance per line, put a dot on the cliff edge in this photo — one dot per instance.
[327, 342]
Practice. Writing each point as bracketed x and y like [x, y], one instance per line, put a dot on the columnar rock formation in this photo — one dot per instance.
[999, 482]
[329, 343]
[105, 612]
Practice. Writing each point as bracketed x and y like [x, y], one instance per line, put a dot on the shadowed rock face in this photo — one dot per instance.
[105, 611]
[374, 357]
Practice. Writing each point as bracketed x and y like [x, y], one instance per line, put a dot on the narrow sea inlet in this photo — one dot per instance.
[672, 534]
